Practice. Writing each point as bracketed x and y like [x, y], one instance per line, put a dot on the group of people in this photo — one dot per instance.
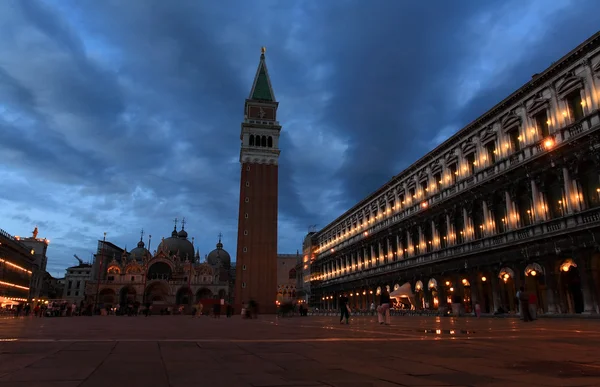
[383, 309]
[216, 310]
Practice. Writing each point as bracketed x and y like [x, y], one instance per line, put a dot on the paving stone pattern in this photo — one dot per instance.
[300, 351]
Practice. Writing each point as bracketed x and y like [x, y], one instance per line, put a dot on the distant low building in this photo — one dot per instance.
[76, 277]
[286, 277]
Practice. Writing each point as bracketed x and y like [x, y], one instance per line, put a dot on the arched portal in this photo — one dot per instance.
[127, 295]
[157, 292]
[508, 291]
[203, 294]
[184, 296]
[159, 271]
[535, 284]
[107, 297]
[570, 287]
[486, 299]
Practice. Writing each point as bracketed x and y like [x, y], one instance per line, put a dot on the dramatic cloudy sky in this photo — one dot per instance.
[122, 115]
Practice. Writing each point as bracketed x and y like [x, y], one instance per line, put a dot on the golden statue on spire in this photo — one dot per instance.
[263, 49]
[35, 232]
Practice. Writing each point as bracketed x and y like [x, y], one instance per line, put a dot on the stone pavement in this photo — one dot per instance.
[300, 351]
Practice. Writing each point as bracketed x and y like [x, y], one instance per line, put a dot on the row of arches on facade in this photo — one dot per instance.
[157, 293]
[495, 291]
[262, 141]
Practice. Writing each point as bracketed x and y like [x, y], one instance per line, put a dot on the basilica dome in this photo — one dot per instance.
[178, 243]
[139, 252]
[219, 257]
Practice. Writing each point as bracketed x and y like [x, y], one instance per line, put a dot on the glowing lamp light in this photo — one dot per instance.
[424, 204]
[451, 289]
[464, 281]
[483, 279]
[533, 273]
[548, 143]
[565, 268]
[447, 283]
[564, 113]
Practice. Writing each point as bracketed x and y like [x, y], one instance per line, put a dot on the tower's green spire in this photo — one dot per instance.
[261, 88]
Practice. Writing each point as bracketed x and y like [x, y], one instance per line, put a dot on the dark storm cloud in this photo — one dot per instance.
[395, 84]
[127, 113]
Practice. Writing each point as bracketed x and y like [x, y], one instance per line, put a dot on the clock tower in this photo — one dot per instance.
[256, 258]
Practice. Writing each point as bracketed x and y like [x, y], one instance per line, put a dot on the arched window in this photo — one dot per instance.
[263, 141]
[270, 142]
[251, 140]
[293, 274]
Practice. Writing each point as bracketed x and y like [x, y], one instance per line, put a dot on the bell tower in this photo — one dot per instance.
[256, 258]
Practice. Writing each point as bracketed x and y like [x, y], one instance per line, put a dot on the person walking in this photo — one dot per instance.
[524, 304]
[372, 309]
[383, 311]
[344, 309]
[532, 306]
[199, 308]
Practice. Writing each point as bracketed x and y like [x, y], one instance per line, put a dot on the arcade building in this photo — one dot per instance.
[172, 276]
[510, 200]
[16, 270]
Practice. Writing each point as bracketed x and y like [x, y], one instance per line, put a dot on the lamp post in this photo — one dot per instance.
[98, 276]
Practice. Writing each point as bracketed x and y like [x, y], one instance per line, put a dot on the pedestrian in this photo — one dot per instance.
[372, 308]
[477, 309]
[524, 304]
[533, 306]
[383, 311]
[344, 309]
[199, 308]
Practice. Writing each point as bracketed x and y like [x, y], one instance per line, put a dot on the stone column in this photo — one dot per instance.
[508, 219]
[400, 249]
[450, 231]
[467, 225]
[567, 205]
[586, 288]
[373, 258]
[389, 258]
[409, 239]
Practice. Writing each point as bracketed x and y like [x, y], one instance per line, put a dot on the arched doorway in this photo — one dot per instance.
[535, 283]
[486, 301]
[466, 285]
[508, 291]
[203, 294]
[157, 292]
[127, 295]
[432, 285]
[159, 271]
[107, 297]
[570, 287]
[184, 296]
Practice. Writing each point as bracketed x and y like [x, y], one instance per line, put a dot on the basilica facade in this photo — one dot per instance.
[173, 275]
[510, 200]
